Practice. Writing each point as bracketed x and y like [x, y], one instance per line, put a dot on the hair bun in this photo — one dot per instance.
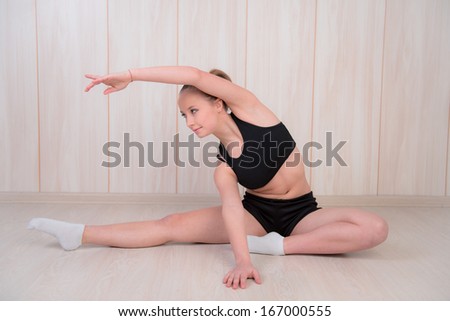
[220, 73]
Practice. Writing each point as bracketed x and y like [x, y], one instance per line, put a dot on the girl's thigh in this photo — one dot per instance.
[325, 216]
[207, 226]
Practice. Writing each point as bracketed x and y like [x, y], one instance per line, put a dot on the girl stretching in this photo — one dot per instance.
[278, 214]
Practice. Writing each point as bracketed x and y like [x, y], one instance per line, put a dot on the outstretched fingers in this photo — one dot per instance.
[93, 77]
[95, 81]
[114, 82]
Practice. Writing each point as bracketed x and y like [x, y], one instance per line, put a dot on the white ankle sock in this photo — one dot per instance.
[69, 235]
[271, 244]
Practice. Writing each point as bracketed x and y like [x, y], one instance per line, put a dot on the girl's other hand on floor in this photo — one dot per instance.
[238, 276]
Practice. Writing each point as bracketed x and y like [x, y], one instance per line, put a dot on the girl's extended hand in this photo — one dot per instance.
[239, 275]
[115, 82]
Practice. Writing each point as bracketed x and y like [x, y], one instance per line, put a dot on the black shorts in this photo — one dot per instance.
[279, 215]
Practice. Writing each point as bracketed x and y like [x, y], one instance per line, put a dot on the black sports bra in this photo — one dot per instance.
[264, 152]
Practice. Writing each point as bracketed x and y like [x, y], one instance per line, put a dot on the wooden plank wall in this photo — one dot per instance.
[373, 73]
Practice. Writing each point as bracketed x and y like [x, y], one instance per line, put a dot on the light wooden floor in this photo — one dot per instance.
[413, 264]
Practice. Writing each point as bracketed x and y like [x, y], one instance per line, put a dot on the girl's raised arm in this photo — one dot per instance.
[233, 94]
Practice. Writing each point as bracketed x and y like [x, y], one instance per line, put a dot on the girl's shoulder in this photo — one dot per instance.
[257, 114]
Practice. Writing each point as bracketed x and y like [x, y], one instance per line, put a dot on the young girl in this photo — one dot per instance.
[278, 214]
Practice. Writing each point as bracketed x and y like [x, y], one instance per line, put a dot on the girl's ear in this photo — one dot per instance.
[218, 103]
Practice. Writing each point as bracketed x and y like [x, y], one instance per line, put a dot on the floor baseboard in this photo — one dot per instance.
[211, 199]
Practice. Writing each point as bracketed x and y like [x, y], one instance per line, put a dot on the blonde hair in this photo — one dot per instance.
[216, 72]
[220, 73]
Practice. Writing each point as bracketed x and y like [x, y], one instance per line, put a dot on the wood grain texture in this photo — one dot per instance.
[211, 35]
[347, 91]
[34, 267]
[375, 73]
[19, 154]
[280, 61]
[416, 98]
[72, 38]
[448, 156]
[143, 33]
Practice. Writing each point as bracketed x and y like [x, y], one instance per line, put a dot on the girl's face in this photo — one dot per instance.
[201, 113]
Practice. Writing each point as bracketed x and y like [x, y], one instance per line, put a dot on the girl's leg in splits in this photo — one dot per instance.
[202, 226]
[335, 231]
